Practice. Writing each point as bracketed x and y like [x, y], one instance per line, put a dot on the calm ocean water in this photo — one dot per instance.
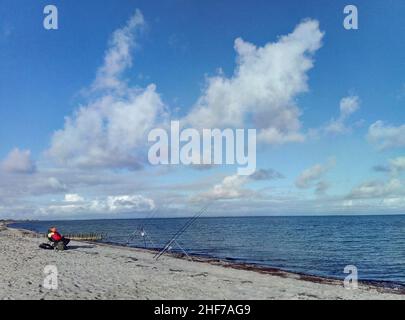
[320, 246]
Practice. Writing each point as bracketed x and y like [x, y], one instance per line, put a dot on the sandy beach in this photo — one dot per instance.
[100, 271]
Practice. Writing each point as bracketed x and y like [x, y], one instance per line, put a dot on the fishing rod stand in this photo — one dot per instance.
[145, 237]
[169, 247]
[181, 248]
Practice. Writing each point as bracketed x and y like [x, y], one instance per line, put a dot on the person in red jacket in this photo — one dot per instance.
[55, 236]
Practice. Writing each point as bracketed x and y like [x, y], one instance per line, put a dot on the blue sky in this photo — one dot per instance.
[47, 75]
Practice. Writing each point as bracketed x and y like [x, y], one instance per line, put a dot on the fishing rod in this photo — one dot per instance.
[189, 222]
[181, 231]
[192, 220]
[178, 233]
[141, 230]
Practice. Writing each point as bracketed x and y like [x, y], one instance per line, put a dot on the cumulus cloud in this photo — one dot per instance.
[40, 195]
[231, 187]
[18, 189]
[306, 178]
[376, 189]
[386, 136]
[263, 87]
[76, 204]
[118, 57]
[390, 189]
[397, 164]
[108, 132]
[73, 198]
[49, 185]
[111, 130]
[395, 202]
[321, 187]
[266, 174]
[18, 161]
[381, 168]
[394, 167]
[348, 106]
[129, 203]
[234, 186]
[312, 177]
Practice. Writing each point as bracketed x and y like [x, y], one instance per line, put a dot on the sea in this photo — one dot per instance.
[318, 245]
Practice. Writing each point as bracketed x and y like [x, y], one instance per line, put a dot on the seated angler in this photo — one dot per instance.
[55, 237]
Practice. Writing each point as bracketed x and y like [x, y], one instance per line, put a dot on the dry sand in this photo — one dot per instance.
[97, 271]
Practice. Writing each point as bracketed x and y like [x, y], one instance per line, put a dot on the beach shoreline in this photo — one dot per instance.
[201, 278]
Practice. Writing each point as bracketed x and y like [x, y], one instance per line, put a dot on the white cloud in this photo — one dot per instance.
[108, 132]
[386, 136]
[73, 198]
[376, 189]
[118, 56]
[391, 189]
[348, 106]
[263, 88]
[111, 130]
[311, 177]
[397, 164]
[18, 161]
[234, 186]
[394, 202]
[231, 187]
[266, 174]
[74, 204]
[15, 188]
[372, 205]
[129, 203]
[321, 187]
[50, 185]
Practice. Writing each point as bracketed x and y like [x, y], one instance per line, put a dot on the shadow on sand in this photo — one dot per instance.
[79, 247]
